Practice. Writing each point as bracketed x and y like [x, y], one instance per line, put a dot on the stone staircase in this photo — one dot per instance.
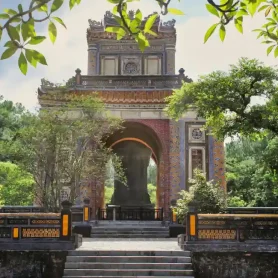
[140, 264]
[129, 229]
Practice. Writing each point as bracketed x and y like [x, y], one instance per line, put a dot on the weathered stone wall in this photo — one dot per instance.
[235, 265]
[32, 264]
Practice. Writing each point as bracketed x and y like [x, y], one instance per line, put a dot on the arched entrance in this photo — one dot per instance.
[135, 145]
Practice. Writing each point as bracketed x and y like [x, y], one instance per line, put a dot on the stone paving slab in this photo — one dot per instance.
[131, 244]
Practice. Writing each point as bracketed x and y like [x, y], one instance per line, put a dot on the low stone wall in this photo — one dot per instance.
[235, 265]
[32, 264]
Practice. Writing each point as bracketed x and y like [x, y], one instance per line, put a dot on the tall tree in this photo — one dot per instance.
[16, 185]
[65, 147]
[224, 99]
[251, 172]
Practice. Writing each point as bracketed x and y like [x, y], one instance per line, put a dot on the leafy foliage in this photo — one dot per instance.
[64, 147]
[16, 185]
[251, 172]
[21, 25]
[225, 99]
[209, 196]
[11, 120]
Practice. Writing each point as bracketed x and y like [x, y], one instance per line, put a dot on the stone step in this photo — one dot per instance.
[116, 235]
[128, 276]
[130, 229]
[89, 253]
[128, 223]
[130, 259]
[128, 265]
[126, 272]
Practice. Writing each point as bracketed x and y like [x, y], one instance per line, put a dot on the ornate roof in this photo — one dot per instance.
[109, 20]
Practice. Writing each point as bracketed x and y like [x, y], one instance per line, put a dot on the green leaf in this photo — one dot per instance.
[59, 20]
[238, 23]
[14, 33]
[37, 40]
[8, 53]
[151, 33]
[267, 11]
[20, 8]
[262, 8]
[43, 8]
[252, 6]
[10, 44]
[212, 10]
[29, 53]
[22, 63]
[151, 20]
[142, 42]
[1, 32]
[210, 31]
[28, 30]
[56, 5]
[16, 19]
[222, 32]
[71, 3]
[52, 31]
[276, 52]
[269, 49]
[39, 57]
[175, 11]
[4, 16]
[10, 11]
[241, 13]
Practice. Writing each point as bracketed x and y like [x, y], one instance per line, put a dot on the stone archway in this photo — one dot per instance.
[136, 144]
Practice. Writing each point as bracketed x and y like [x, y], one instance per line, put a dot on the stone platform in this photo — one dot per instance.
[128, 258]
[129, 229]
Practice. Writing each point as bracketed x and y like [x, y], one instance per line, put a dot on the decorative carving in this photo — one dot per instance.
[131, 65]
[134, 96]
[5, 232]
[211, 222]
[129, 47]
[45, 222]
[93, 23]
[216, 234]
[196, 133]
[18, 221]
[170, 23]
[40, 232]
[2, 221]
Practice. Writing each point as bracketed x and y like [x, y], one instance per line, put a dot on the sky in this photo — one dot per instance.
[70, 49]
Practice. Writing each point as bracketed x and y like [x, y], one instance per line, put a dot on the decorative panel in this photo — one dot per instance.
[45, 221]
[196, 134]
[216, 234]
[40, 232]
[131, 65]
[109, 65]
[152, 65]
[5, 232]
[197, 159]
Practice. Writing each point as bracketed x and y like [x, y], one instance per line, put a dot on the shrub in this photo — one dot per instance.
[208, 195]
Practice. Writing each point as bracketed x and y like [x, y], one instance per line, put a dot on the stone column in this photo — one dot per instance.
[135, 160]
[170, 58]
[92, 59]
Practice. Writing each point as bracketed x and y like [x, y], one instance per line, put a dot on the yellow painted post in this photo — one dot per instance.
[192, 223]
[15, 232]
[66, 221]
[86, 210]
[174, 217]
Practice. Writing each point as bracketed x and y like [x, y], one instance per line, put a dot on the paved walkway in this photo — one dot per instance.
[131, 244]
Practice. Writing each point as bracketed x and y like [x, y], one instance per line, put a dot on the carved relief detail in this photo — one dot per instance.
[134, 96]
